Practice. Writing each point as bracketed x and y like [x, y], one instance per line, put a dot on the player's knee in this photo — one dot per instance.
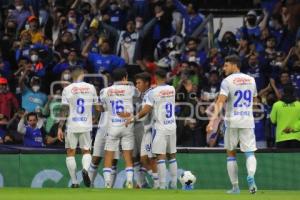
[84, 151]
[96, 160]
[249, 154]
[231, 153]
[171, 156]
[71, 152]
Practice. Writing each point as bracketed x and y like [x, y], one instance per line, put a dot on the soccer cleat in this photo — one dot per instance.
[252, 185]
[187, 187]
[86, 178]
[107, 186]
[129, 185]
[75, 186]
[234, 190]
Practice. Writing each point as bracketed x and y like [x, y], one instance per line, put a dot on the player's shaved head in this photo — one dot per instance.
[77, 74]
[119, 74]
[234, 60]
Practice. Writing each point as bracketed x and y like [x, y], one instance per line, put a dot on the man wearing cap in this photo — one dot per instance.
[8, 102]
[32, 98]
[36, 35]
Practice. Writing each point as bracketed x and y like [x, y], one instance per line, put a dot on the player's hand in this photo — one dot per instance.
[209, 127]
[288, 130]
[128, 121]
[124, 115]
[60, 135]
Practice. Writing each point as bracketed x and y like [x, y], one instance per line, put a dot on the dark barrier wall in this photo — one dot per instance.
[28, 168]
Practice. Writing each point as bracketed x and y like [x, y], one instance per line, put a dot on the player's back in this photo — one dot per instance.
[162, 99]
[80, 97]
[118, 98]
[240, 90]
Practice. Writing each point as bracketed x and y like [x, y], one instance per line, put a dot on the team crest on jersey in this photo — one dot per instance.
[76, 90]
[241, 81]
[116, 92]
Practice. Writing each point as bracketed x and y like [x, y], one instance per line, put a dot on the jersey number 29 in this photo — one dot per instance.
[246, 96]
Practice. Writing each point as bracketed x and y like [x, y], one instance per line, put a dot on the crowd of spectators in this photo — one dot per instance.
[41, 41]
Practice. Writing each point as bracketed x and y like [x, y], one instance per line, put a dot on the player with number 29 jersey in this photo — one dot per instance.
[240, 90]
[80, 97]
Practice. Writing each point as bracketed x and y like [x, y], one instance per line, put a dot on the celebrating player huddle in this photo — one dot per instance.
[146, 135]
[149, 136]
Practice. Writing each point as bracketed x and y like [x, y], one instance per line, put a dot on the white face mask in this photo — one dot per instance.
[34, 58]
[66, 77]
[113, 7]
[138, 25]
[19, 8]
[35, 88]
[192, 59]
[72, 63]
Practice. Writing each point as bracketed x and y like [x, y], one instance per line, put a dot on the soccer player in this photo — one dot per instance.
[98, 151]
[161, 101]
[118, 98]
[78, 99]
[239, 90]
[147, 159]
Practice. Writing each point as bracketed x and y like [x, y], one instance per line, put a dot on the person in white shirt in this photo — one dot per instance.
[78, 100]
[118, 98]
[161, 102]
[238, 90]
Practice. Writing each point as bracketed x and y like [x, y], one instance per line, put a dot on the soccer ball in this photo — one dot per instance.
[187, 180]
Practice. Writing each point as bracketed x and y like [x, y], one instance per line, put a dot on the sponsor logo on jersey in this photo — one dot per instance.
[166, 93]
[76, 90]
[241, 81]
[116, 92]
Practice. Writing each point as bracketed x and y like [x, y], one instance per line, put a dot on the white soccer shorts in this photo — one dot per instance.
[162, 142]
[99, 144]
[119, 135]
[243, 136]
[146, 149]
[84, 140]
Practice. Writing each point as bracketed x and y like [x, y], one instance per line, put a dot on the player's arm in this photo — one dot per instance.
[142, 113]
[224, 91]
[64, 111]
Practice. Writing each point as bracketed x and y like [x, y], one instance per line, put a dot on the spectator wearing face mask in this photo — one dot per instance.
[8, 102]
[36, 35]
[38, 67]
[32, 97]
[20, 14]
[251, 30]
[257, 71]
[34, 135]
[71, 62]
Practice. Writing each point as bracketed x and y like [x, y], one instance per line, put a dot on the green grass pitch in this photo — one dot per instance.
[96, 194]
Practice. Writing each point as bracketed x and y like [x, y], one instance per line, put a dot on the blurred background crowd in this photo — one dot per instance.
[41, 41]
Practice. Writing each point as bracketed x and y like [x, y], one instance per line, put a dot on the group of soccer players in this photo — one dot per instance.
[147, 135]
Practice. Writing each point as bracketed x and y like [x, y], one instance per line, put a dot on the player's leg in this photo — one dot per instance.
[231, 142]
[159, 145]
[127, 143]
[248, 146]
[71, 141]
[138, 134]
[98, 154]
[145, 150]
[111, 146]
[114, 169]
[85, 146]
[171, 150]
[154, 172]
